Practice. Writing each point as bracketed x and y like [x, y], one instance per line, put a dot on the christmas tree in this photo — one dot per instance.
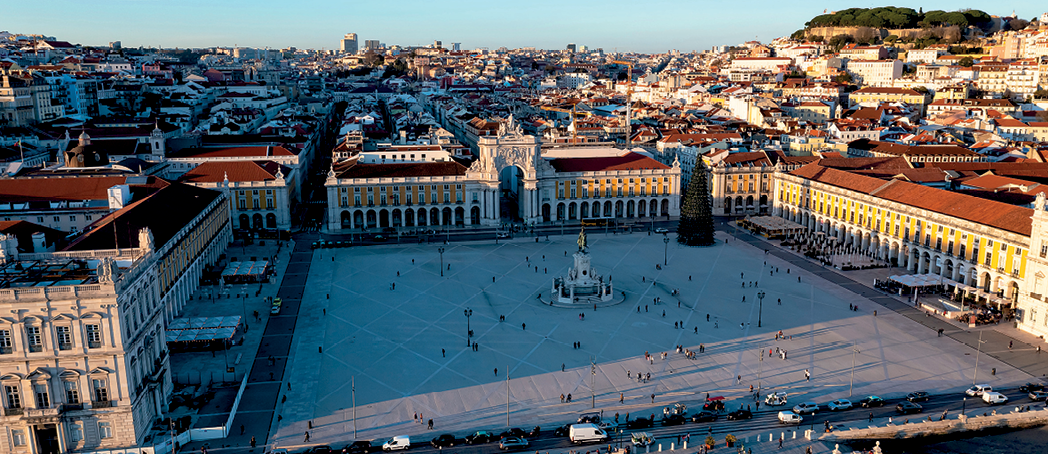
[695, 227]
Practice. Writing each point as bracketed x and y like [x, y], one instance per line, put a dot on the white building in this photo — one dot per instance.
[878, 73]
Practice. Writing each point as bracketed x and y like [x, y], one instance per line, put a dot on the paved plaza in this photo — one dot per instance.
[386, 319]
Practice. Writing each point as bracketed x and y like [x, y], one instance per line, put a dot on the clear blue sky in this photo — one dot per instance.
[648, 26]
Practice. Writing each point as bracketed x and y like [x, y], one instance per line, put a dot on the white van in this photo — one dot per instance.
[994, 398]
[586, 433]
[789, 417]
[978, 390]
[397, 443]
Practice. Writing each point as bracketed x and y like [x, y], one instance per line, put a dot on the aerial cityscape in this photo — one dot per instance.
[391, 228]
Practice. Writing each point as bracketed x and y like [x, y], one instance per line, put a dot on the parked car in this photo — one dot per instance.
[1038, 395]
[514, 432]
[906, 407]
[379, 238]
[639, 423]
[918, 396]
[978, 390]
[704, 416]
[562, 431]
[673, 420]
[789, 417]
[1031, 387]
[503, 235]
[586, 433]
[739, 414]
[713, 405]
[661, 230]
[839, 405]
[804, 408]
[994, 398]
[322, 449]
[480, 437]
[513, 443]
[443, 441]
[871, 401]
[358, 447]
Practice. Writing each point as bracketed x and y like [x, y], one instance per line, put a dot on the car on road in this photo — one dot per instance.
[713, 405]
[839, 405]
[662, 230]
[503, 235]
[379, 238]
[563, 431]
[789, 417]
[397, 443]
[358, 447]
[740, 414]
[640, 423]
[1039, 396]
[918, 396]
[322, 449]
[906, 407]
[806, 408]
[1031, 387]
[480, 437]
[673, 420]
[513, 443]
[978, 390]
[871, 401]
[514, 432]
[994, 398]
[591, 417]
[443, 441]
[704, 416]
[607, 425]
[778, 398]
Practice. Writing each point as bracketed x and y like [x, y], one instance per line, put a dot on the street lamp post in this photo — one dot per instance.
[440, 250]
[665, 248]
[975, 374]
[760, 307]
[760, 368]
[852, 382]
[468, 313]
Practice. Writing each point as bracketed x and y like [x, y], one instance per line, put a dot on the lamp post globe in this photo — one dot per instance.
[760, 307]
[467, 312]
[665, 248]
[440, 250]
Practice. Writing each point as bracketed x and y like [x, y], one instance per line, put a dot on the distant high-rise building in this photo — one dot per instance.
[349, 43]
[371, 44]
[436, 44]
[456, 47]
[571, 47]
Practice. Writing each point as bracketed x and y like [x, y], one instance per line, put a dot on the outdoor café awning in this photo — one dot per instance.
[202, 329]
[922, 280]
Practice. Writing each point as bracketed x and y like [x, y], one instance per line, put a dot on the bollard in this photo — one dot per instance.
[672, 447]
[660, 447]
[684, 446]
[794, 435]
[771, 437]
[782, 435]
[647, 449]
[758, 438]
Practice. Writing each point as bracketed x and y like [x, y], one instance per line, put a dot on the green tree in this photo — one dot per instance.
[966, 62]
[695, 227]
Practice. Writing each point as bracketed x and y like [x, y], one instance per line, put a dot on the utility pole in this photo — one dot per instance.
[353, 384]
[979, 349]
[855, 350]
[593, 373]
[507, 396]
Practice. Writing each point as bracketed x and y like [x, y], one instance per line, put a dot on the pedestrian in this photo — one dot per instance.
[523, 327]
[252, 442]
[620, 401]
[241, 429]
[430, 424]
[1009, 345]
[416, 416]
[289, 386]
[696, 330]
[780, 442]
[306, 440]
[871, 416]
[652, 395]
[707, 317]
[496, 372]
[562, 367]
[645, 308]
[780, 301]
[807, 375]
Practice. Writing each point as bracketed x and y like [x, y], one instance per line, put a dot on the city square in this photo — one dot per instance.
[385, 329]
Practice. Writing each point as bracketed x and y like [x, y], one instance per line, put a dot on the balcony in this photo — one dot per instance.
[13, 411]
[70, 407]
[101, 403]
[1036, 296]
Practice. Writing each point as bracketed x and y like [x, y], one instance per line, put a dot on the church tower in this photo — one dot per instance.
[156, 142]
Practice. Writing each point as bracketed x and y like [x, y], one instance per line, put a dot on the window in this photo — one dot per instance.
[938, 243]
[5, 342]
[105, 430]
[94, 336]
[1044, 249]
[18, 437]
[989, 258]
[64, 338]
[14, 397]
[32, 334]
[72, 218]
[58, 219]
[76, 433]
[101, 389]
[43, 400]
[72, 392]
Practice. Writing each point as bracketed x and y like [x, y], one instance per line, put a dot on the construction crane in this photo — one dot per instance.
[629, 95]
[573, 113]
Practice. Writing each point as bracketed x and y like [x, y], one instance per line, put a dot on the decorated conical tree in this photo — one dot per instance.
[695, 227]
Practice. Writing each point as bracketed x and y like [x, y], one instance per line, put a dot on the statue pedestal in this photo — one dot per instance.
[581, 285]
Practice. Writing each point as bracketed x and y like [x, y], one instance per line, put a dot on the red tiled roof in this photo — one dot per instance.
[57, 189]
[214, 172]
[981, 211]
[232, 152]
[355, 169]
[628, 161]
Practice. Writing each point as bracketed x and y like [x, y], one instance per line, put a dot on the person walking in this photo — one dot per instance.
[443, 354]
[620, 401]
[306, 440]
[252, 442]
[652, 396]
[807, 375]
[496, 372]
